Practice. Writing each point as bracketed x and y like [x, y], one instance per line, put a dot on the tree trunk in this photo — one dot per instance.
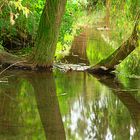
[48, 32]
[108, 64]
[46, 39]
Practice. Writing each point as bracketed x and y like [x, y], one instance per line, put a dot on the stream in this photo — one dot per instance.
[71, 105]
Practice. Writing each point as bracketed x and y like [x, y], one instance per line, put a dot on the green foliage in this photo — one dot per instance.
[20, 16]
[20, 19]
[68, 29]
[72, 13]
[95, 4]
[1, 47]
[63, 48]
[102, 48]
[123, 17]
[131, 65]
[24, 16]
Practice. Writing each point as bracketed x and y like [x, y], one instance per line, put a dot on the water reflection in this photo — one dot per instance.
[90, 47]
[9, 120]
[78, 49]
[29, 108]
[72, 106]
[126, 97]
[92, 111]
[47, 104]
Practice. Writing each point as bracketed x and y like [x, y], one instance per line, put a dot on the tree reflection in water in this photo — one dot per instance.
[29, 108]
[125, 96]
[90, 110]
[48, 106]
[31, 103]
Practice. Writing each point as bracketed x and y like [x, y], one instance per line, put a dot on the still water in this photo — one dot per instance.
[70, 105]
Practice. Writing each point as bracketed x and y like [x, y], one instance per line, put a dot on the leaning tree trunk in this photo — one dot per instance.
[108, 64]
[48, 31]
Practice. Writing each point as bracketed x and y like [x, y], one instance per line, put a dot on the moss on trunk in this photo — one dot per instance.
[48, 32]
[108, 64]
